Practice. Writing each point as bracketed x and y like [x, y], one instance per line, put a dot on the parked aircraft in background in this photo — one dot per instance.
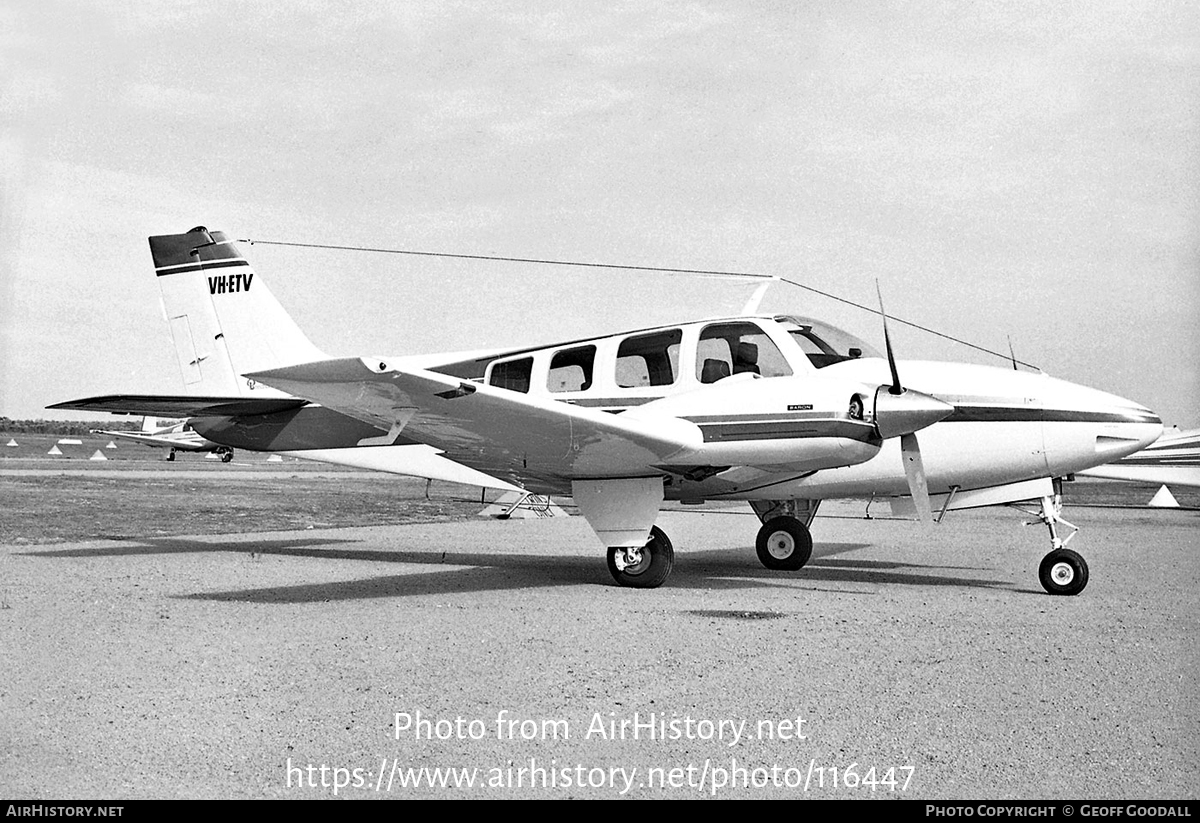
[1173, 460]
[780, 411]
[176, 435]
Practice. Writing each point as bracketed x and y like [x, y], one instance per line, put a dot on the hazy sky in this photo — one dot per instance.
[1023, 169]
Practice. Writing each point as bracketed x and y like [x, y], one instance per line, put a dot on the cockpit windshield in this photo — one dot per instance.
[824, 344]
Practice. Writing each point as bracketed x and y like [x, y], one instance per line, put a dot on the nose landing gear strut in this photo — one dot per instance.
[1061, 571]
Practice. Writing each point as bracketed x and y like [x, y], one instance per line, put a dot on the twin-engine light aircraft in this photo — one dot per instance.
[176, 435]
[779, 411]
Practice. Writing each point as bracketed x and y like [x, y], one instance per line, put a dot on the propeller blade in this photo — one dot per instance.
[914, 470]
[904, 414]
[887, 342]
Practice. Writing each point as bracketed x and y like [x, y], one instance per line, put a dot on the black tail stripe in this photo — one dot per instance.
[202, 267]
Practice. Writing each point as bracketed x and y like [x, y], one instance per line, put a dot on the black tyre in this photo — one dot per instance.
[226, 457]
[783, 544]
[658, 556]
[1063, 572]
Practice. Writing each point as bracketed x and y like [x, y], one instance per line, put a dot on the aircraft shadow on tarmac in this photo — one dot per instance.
[132, 547]
[714, 569]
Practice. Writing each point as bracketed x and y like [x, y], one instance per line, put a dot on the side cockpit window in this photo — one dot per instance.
[571, 369]
[737, 348]
[825, 345]
[649, 359]
[513, 375]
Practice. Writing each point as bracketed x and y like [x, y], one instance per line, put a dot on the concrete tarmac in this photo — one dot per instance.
[902, 663]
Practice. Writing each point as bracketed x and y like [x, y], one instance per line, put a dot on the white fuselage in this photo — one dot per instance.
[758, 429]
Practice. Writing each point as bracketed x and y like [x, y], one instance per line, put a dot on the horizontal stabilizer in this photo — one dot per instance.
[182, 406]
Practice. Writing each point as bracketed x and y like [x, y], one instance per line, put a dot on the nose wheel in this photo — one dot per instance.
[1063, 571]
[645, 567]
[783, 544]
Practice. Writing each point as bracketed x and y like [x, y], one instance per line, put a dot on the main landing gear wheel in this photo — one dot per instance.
[1063, 572]
[783, 544]
[226, 457]
[644, 568]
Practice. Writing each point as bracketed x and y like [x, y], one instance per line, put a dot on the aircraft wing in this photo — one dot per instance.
[496, 430]
[181, 406]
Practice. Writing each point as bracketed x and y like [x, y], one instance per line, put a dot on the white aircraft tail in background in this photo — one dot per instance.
[159, 425]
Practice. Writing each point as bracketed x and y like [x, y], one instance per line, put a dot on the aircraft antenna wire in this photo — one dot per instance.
[745, 275]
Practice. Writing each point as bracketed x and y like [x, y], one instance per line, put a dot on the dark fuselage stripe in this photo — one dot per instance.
[1000, 414]
[961, 414]
[781, 430]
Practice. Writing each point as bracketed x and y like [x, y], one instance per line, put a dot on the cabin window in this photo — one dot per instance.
[735, 348]
[513, 375]
[649, 359]
[571, 369]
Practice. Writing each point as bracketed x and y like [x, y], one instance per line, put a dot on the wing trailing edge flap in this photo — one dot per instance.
[177, 406]
[426, 402]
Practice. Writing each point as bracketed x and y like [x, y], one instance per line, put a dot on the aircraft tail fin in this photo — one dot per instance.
[224, 320]
[154, 424]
